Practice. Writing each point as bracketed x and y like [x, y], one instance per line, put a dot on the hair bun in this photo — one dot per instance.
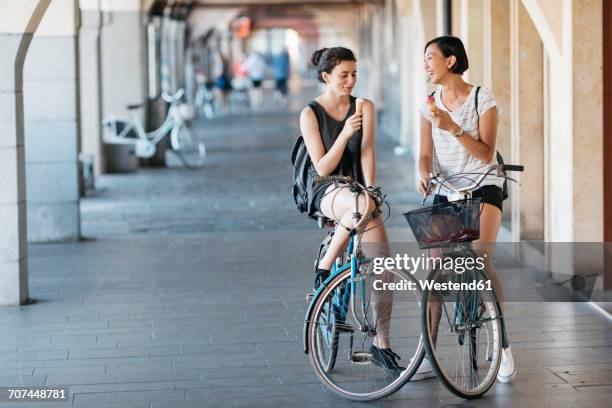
[316, 56]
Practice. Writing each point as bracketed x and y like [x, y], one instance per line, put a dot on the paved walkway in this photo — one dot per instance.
[189, 292]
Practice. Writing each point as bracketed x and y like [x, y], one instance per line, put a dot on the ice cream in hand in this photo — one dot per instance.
[431, 103]
[359, 106]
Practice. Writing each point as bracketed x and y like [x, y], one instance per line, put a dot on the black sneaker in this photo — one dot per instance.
[385, 358]
[320, 276]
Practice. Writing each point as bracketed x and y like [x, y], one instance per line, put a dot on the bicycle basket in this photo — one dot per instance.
[444, 223]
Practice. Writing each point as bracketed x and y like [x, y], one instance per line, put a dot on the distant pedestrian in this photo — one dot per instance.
[223, 79]
[280, 67]
[256, 67]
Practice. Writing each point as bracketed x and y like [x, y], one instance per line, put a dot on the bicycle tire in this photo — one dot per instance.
[493, 333]
[330, 336]
[191, 152]
[384, 384]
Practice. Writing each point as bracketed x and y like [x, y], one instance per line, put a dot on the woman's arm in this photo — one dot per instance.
[368, 143]
[325, 163]
[425, 155]
[483, 149]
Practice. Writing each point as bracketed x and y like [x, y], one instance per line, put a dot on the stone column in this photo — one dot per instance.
[123, 56]
[527, 125]
[52, 127]
[18, 22]
[425, 27]
[471, 33]
[406, 66]
[588, 135]
[90, 82]
[496, 65]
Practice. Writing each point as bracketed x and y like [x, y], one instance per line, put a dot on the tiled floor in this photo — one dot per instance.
[189, 292]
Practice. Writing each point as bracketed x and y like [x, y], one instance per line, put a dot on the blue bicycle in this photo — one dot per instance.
[356, 306]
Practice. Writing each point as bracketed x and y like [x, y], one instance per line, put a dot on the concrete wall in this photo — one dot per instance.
[587, 112]
[90, 83]
[18, 22]
[123, 59]
[527, 126]
[52, 127]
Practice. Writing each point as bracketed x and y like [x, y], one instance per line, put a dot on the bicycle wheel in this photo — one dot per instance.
[462, 327]
[392, 313]
[191, 152]
[327, 338]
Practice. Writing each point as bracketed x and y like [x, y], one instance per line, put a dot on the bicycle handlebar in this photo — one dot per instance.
[444, 184]
[513, 167]
[173, 98]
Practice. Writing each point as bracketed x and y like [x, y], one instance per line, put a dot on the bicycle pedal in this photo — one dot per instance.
[361, 357]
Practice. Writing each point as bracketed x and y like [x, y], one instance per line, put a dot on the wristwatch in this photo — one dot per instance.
[459, 133]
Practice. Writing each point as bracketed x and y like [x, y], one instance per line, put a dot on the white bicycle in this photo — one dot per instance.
[190, 151]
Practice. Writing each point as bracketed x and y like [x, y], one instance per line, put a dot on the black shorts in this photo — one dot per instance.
[318, 196]
[281, 86]
[256, 83]
[488, 194]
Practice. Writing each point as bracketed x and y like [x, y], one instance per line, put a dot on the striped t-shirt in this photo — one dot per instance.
[450, 156]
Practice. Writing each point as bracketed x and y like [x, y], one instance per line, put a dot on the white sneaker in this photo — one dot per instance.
[423, 372]
[507, 371]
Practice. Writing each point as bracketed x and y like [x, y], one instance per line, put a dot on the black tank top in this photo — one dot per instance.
[330, 128]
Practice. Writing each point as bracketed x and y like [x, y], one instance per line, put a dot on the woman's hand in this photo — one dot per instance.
[352, 125]
[441, 119]
[423, 185]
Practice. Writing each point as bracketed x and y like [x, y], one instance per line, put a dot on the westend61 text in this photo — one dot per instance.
[431, 285]
[413, 264]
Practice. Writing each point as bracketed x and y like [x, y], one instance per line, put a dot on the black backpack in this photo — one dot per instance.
[301, 165]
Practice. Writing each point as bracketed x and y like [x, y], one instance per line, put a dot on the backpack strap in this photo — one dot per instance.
[476, 102]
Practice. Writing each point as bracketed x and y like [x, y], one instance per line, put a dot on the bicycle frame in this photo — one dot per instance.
[462, 250]
[345, 301]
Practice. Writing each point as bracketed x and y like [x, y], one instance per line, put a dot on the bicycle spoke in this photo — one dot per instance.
[356, 374]
[466, 344]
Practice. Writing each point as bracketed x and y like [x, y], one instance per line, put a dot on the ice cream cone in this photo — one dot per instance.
[359, 106]
[431, 103]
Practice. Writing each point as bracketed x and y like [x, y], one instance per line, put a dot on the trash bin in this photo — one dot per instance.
[158, 109]
[120, 157]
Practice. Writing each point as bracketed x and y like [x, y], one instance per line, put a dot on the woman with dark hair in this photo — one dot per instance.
[459, 137]
[341, 141]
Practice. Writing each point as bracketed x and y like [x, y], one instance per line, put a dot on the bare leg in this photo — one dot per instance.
[338, 205]
[338, 242]
[435, 305]
[490, 222]
[377, 244]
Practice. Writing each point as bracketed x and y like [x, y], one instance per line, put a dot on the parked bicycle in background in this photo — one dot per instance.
[190, 151]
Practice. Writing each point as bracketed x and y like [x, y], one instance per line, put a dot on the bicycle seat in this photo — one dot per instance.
[135, 106]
